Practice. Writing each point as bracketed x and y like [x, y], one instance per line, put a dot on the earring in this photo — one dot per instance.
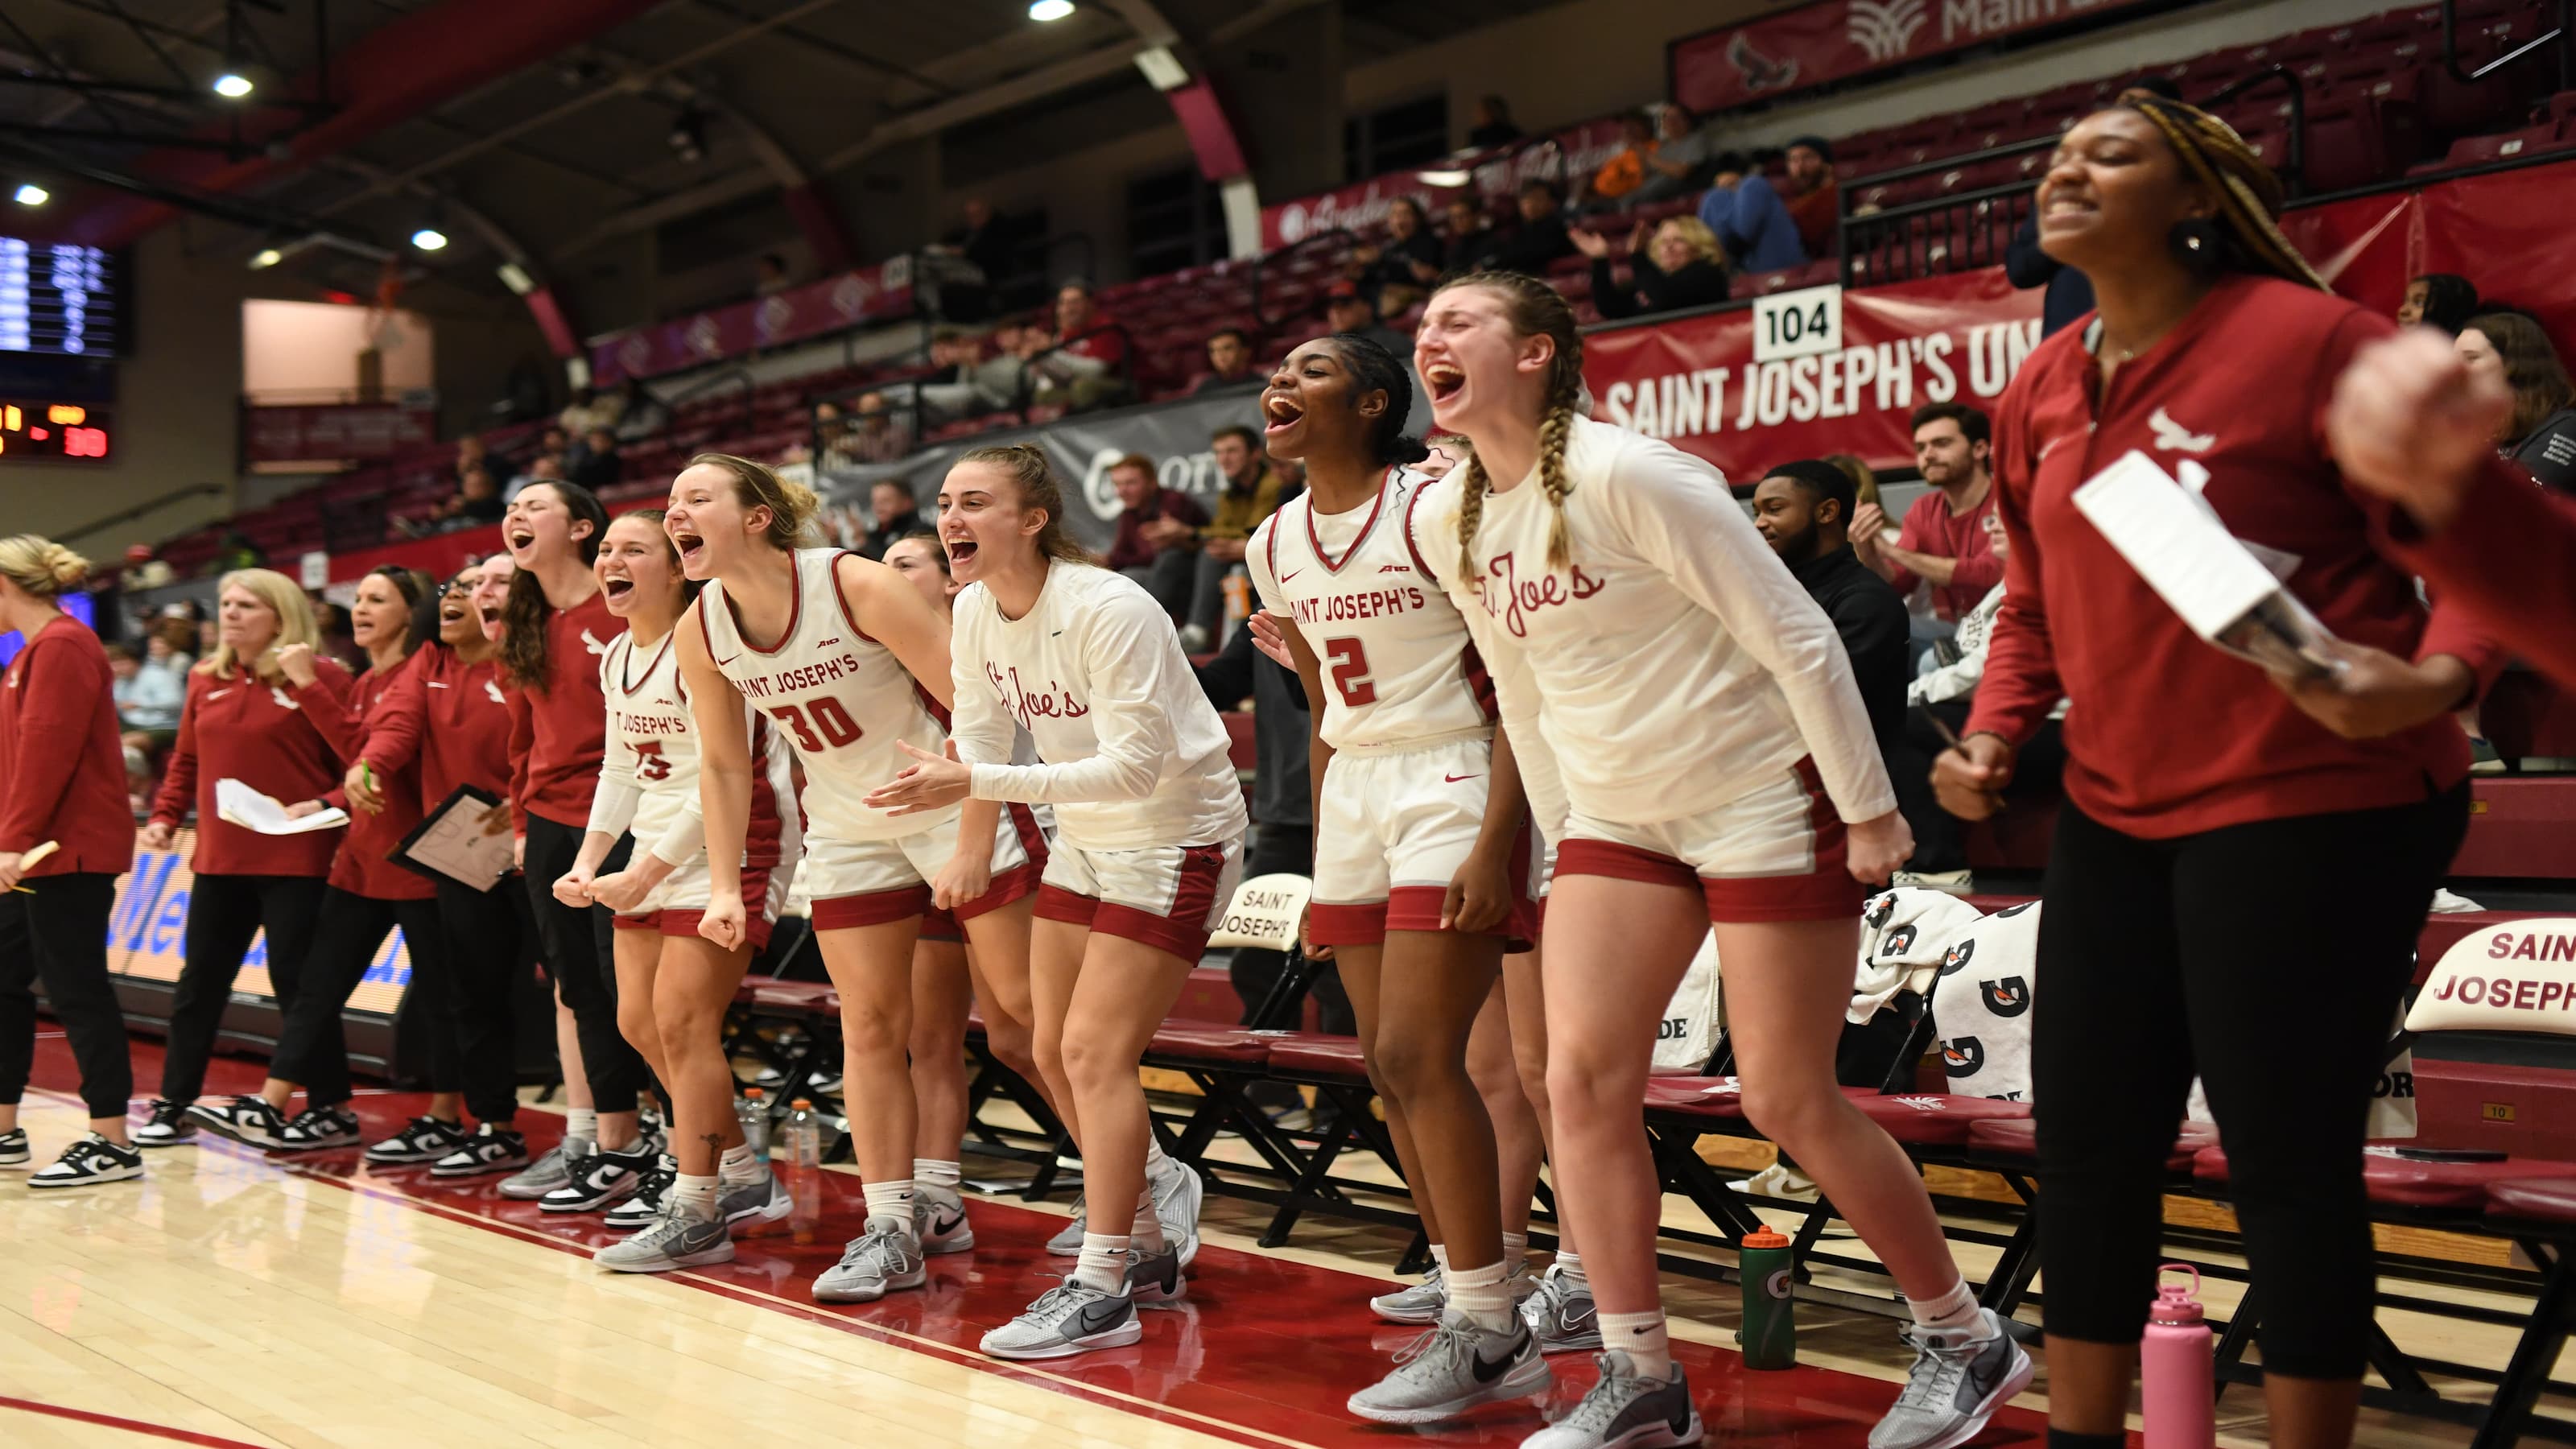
[2198, 244]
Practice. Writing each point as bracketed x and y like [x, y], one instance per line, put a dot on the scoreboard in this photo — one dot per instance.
[57, 299]
[53, 432]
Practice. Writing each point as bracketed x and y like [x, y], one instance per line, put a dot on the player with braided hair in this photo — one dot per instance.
[1713, 766]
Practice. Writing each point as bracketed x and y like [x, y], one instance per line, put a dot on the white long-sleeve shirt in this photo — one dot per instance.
[1677, 664]
[1134, 756]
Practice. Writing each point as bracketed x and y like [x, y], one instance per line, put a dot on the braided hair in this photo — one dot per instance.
[1374, 369]
[2248, 193]
[1534, 308]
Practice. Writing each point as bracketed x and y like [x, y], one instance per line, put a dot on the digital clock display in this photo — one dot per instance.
[43, 432]
[57, 299]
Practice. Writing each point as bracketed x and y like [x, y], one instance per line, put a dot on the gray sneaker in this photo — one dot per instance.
[763, 1200]
[1560, 1313]
[548, 1172]
[1072, 1317]
[1422, 1302]
[1960, 1378]
[1452, 1369]
[876, 1262]
[1067, 1243]
[1154, 1277]
[673, 1240]
[1624, 1411]
[939, 1218]
[1177, 1193]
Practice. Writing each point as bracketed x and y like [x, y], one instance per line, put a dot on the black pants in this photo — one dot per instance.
[1941, 838]
[224, 912]
[57, 934]
[487, 948]
[582, 962]
[2270, 957]
[312, 1050]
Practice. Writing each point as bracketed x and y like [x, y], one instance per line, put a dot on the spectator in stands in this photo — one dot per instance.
[1398, 272]
[988, 243]
[139, 715]
[236, 552]
[590, 408]
[1682, 267]
[1158, 534]
[1814, 197]
[2069, 295]
[1625, 171]
[476, 502]
[1472, 239]
[1541, 237]
[544, 468]
[1749, 219]
[595, 464]
[1944, 542]
[2438, 299]
[2541, 434]
[1087, 364]
[1493, 124]
[770, 276]
[1804, 511]
[639, 413]
[873, 434]
[896, 511]
[1230, 366]
[1252, 492]
[471, 453]
[1674, 167]
[1349, 307]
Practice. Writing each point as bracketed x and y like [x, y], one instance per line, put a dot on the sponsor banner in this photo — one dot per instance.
[439, 555]
[1081, 448]
[147, 933]
[1702, 384]
[864, 295]
[344, 431]
[1579, 151]
[1815, 45]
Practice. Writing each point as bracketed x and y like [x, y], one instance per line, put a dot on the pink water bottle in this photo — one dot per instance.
[2175, 1368]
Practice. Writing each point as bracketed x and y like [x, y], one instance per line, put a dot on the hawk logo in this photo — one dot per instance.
[2007, 997]
[1880, 907]
[1962, 1056]
[494, 690]
[1899, 941]
[2008, 912]
[1761, 73]
[2173, 437]
[591, 643]
[283, 702]
[1958, 956]
[1884, 29]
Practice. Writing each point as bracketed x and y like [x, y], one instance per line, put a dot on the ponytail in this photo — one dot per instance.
[41, 566]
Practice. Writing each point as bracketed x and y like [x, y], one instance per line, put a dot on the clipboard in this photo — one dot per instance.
[452, 844]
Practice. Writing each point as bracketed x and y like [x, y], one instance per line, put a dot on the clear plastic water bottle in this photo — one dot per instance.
[803, 1169]
[752, 1110]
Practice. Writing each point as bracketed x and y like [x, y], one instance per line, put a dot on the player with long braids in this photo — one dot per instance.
[1713, 767]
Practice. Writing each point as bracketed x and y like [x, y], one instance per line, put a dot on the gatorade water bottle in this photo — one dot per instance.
[804, 1170]
[1770, 1332]
[2175, 1371]
[752, 1110]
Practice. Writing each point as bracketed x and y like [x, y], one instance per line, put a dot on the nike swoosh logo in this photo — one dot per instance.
[1576, 1320]
[1283, 578]
[728, 659]
[218, 693]
[1486, 1372]
[943, 1229]
[1454, 779]
[1098, 1316]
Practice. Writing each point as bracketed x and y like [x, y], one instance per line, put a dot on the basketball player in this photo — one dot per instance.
[673, 985]
[1420, 824]
[62, 779]
[1714, 766]
[854, 665]
[1149, 821]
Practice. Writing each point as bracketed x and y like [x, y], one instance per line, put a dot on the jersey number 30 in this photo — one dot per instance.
[1350, 670]
[818, 725]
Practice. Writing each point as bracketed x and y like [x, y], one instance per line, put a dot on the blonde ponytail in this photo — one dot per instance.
[1554, 431]
[41, 566]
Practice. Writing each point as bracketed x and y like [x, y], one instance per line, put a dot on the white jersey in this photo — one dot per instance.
[842, 700]
[1135, 756]
[1676, 665]
[1399, 668]
[648, 770]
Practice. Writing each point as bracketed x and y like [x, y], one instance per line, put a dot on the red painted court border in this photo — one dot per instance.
[130, 1426]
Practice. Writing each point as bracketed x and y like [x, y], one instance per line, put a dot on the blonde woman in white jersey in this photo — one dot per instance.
[1149, 843]
[673, 985]
[851, 666]
[1712, 766]
[1422, 852]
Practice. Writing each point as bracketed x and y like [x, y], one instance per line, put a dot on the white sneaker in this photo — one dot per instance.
[89, 1161]
[1177, 1194]
[939, 1218]
[1778, 1181]
[1959, 1379]
[1072, 1317]
[1453, 1368]
[2447, 904]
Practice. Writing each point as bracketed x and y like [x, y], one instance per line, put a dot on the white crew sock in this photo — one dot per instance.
[1440, 1258]
[1515, 1251]
[1147, 1228]
[1103, 1264]
[1569, 1264]
[929, 1172]
[1952, 1312]
[738, 1166]
[695, 1196]
[1482, 1296]
[1641, 1337]
[581, 1122]
[1156, 1163]
[890, 1203]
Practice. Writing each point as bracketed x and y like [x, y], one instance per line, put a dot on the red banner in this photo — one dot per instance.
[1577, 151]
[350, 432]
[864, 295]
[441, 554]
[1813, 45]
[2503, 231]
[1696, 384]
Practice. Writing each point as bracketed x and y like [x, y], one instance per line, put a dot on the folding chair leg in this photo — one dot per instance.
[1311, 1186]
[2395, 1366]
[1417, 1256]
[2240, 1332]
[2535, 1355]
[2018, 1263]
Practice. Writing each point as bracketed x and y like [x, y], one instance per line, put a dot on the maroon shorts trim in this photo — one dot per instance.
[939, 925]
[649, 921]
[756, 929]
[1183, 933]
[1361, 924]
[1621, 862]
[1827, 893]
[1055, 903]
[1016, 884]
[684, 923]
[871, 908]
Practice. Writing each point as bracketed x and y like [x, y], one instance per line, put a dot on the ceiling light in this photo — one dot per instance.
[30, 194]
[1044, 10]
[265, 258]
[232, 85]
[429, 239]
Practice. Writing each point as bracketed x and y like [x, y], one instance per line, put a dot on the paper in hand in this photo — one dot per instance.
[243, 806]
[2219, 586]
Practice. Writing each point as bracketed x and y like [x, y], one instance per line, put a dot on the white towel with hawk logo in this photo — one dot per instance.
[1902, 932]
[1687, 1036]
[1981, 1005]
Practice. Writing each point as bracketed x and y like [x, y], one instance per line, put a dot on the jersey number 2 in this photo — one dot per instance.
[650, 762]
[1350, 669]
[820, 725]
